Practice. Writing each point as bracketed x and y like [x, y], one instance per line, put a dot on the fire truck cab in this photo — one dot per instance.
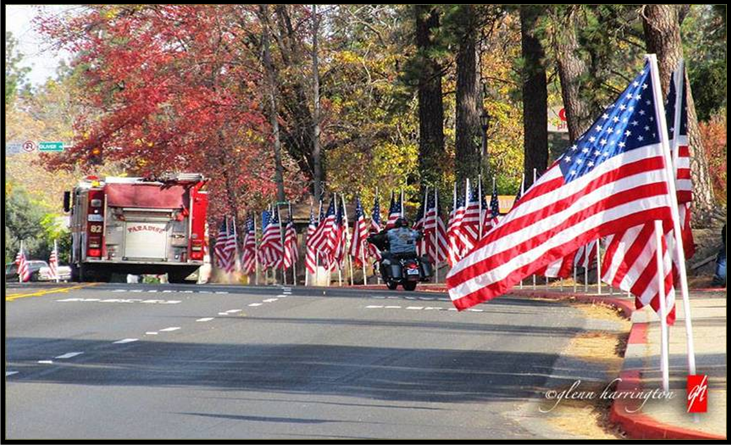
[137, 226]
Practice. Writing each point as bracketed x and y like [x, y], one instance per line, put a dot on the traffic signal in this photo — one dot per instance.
[95, 158]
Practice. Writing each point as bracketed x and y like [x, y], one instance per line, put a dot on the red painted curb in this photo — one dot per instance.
[638, 425]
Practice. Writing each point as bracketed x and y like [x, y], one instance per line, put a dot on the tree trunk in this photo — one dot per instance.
[431, 107]
[571, 69]
[272, 99]
[467, 128]
[316, 154]
[535, 96]
[662, 34]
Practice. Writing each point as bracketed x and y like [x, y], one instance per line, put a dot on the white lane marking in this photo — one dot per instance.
[427, 298]
[392, 298]
[205, 319]
[174, 328]
[452, 309]
[233, 311]
[69, 299]
[393, 307]
[432, 308]
[221, 292]
[410, 298]
[150, 333]
[374, 307]
[187, 291]
[118, 300]
[223, 313]
[7, 373]
[380, 298]
[256, 304]
[45, 362]
[475, 310]
[70, 355]
[417, 308]
[152, 290]
[444, 299]
[119, 290]
[125, 340]
[137, 290]
[167, 291]
[270, 300]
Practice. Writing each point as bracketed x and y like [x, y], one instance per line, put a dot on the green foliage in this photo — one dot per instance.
[14, 74]
[23, 222]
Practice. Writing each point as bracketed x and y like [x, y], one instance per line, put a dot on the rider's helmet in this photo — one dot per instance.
[402, 222]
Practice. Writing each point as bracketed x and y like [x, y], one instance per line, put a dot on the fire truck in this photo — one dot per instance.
[125, 225]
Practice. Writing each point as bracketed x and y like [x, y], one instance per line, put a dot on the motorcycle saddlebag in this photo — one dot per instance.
[395, 270]
[426, 267]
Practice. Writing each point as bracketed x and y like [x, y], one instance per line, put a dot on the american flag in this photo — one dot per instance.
[291, 251]
[341, 236]
[395, 211]
[454, 229]
[53, 261]
[375, 227]
[435, 234]
[231, 248]
[266, 217]
[22, 263]
[323, 240]
[470, 228]
[248, 256]
[271, 242]
[611, 179]
[360, 232]
[219, 249]
[629, 262]
[421, 247]
[492, 213]
[311, 253]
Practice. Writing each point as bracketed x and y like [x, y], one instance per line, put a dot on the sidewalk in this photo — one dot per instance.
[668, 418]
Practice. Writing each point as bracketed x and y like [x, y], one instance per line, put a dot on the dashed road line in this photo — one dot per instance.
[205, 319]
[270, 300]
[9, 373]
[234, 311]
[374, 307]
[69, 355]
[125, 340]
[150, 333]
[393, 307]
[174, 328]
[255, 304]
[45, 362]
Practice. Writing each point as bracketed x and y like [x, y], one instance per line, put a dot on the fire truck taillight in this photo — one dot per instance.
[196, 249]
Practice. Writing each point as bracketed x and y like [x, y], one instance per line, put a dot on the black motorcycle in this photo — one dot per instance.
[404, 269]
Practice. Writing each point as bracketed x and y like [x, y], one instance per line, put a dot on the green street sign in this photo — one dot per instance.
[50, 146]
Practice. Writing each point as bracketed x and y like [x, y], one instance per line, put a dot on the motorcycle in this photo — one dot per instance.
[404, 270]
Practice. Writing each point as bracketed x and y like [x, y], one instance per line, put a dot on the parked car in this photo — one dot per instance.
[39, 271]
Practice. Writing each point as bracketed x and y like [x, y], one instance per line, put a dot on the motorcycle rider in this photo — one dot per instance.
[398, 242]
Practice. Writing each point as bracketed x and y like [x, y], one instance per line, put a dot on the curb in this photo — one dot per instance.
[636, 425]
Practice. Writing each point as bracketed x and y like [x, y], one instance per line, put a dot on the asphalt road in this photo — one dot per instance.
[129, 361]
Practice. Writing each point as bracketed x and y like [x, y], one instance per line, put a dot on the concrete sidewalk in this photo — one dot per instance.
[641, 370]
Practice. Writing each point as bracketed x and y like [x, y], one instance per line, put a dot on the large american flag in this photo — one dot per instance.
[435, 234]
[341, 236]
[291, 251]
[266, 217]
[610, 180]
[53, 261]
[271, 242]
[629, 262]
[311, 253]
[220, 252]
[395, 211]
[360, 232]
[22, 263]
[375, 227]
[248, 256]
[586, 255]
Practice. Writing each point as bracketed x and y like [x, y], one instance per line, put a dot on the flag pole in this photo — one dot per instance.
[480, 218]
[378, 276]
[281, 241]
[575, 274]
[296, 241]
[679, 250]
[664, 362]
[522, 192]
[348, 241]
[599, 266]
[340, 267]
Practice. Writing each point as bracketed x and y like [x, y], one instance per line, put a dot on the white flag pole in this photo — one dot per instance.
[669, 177]
[479, 199]
[599, 266]
[662, 293]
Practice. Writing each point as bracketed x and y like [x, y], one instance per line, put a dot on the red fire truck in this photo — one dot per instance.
[137, 226]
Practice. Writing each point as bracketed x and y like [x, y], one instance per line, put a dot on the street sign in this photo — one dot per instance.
[29, 146]
[50, 146]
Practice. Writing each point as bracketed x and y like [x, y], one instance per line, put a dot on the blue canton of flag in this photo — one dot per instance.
[627, 124]
[494, 202]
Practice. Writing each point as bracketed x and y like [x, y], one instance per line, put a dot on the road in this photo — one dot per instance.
[134, 361]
